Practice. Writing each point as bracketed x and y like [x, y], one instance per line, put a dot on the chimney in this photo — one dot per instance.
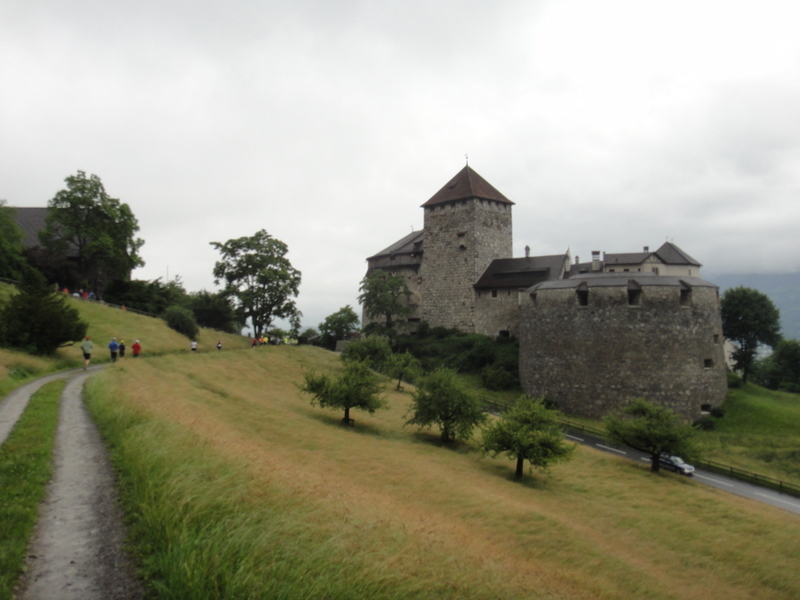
[595, 260]
[647, 248]
[577, 259]
[527, 251]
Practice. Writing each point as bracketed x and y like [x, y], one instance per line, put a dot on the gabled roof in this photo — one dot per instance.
[31, 220]
[409, 244]
[672, 255]
[467, 184]
[521, 273]
[626, 258]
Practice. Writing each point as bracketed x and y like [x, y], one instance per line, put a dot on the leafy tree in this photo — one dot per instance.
[373, 349]
[384, 296]
[257, 274]
[749, 319]
[652, 429]
[338, 326]
[529, 431]
[442, 400]
[39, 320]
[100, 229]
[181, 320]
[12, 262]
[780, 370]
[309, 336]
[213, 310]
[403, 365]
[357, 387]
[147, 296]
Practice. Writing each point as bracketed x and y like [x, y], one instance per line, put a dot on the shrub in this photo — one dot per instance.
[734, 381]
[373, 349]
[497, 378]
[705, 423]
[718, 412]
[181, 320]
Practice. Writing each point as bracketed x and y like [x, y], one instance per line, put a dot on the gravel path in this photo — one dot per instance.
[77, 549]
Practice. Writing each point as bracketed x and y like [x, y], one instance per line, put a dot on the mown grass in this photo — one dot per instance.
[25, 468]
[236, 487]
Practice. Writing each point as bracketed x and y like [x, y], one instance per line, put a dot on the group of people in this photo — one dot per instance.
[117, 350]
[263, 341]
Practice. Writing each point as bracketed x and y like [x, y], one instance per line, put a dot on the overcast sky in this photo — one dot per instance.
[612, 125]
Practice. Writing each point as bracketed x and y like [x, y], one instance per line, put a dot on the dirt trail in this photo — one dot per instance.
[77, 550]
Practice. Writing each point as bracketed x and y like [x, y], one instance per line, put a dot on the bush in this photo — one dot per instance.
[181, 320]
[373, 349]
[734, 381]
[705, 423]
[718, 412]
[497, 378]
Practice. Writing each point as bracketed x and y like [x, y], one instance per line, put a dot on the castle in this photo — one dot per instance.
[592, 335]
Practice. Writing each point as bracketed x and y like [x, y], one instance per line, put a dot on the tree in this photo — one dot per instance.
[258, 276]
[213, 310]
[652, 429]
[100, 229]
[781, 370]
[12, 263]
[749, 319]
[529, 431]
[402, 364]
[181, 320]
[373, 350]
[440, 399]
[357, 387]
[338, 326]
[382, 296]
[38, 320]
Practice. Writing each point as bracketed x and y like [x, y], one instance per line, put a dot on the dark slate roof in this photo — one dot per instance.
[31, 220]
[626, 258]
[467, 184]
[591, 280]
[406, 245]
[672, 255]
[521, 273]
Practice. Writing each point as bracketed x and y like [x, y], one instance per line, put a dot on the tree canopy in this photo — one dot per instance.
[442, 400]
[652, 429]
[358, 386]
[338, 326]
[39, 320]
[12, 263]
[384, 296]
[781, 369]
[257, 274]
[529, 431]
[749, 320]
[100, 229]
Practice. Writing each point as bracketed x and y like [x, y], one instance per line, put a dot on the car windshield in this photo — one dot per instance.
[677, 460]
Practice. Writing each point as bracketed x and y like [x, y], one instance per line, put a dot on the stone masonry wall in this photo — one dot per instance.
[594, 359]
[494, 314]
[461, 239]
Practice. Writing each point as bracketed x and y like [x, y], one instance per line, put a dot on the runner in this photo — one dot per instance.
[113, 347]
[194, 346]
[86, 348]
[121, 350]
[137, 348]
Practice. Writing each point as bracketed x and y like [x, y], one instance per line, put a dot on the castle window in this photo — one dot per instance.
[583, 297]
[533, 297]
[634, 297]
[708, 363]
[462, 247]
[716, 338]
[494, 293]
[686, 296]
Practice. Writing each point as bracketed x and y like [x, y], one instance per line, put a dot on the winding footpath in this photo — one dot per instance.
[77, 549]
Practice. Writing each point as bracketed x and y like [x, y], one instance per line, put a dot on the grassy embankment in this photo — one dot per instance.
[25, 468]
[104, 323]
[237, 487]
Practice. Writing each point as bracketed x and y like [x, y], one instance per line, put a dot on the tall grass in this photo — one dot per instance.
[236, 487]
[25, 468]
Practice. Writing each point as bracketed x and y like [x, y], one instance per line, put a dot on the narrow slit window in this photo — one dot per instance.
[583, 297]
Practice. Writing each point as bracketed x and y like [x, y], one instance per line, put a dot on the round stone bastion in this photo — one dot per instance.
[596, 341]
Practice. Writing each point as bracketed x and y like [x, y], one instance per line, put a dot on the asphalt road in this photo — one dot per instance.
[722, 482]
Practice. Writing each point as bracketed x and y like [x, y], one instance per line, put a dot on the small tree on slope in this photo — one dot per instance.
[357, 387]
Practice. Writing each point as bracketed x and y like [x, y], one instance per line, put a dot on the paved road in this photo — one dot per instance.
[722, 482]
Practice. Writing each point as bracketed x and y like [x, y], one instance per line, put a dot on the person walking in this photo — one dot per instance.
[86, 348]
[122, 350]
[219, 345]
[113, 346]
[137, 348]
[194, 346]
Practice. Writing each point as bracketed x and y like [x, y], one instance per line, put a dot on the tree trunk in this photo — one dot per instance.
[520, 464]
[347, 420]
[654, 463]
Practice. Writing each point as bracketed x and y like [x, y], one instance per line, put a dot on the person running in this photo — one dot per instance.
[113, 346]
[121, 349]
[219, 345]
[194, 346]
[137, 348]
[86, 348]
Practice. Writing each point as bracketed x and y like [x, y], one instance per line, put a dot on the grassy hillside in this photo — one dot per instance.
[106, 323]
[237, 487]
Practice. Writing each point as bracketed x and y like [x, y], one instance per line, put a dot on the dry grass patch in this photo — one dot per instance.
[405, 509]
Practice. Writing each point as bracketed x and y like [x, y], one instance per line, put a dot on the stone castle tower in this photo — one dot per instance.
[467, 225]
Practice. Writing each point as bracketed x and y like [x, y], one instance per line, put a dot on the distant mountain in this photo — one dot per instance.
[782, 288]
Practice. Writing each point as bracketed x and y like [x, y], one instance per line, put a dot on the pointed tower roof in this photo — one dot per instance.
[467, 184]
